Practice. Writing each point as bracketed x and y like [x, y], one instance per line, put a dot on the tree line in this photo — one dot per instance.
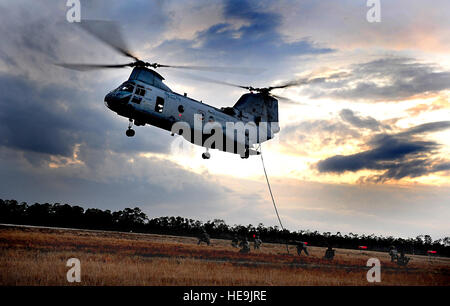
[135, 220]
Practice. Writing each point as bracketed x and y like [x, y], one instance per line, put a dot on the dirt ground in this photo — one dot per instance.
[38, 256]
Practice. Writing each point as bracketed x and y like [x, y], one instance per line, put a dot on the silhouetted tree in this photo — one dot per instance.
[134, 219]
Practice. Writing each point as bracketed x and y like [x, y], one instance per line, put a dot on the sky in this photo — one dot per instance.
[365, 148]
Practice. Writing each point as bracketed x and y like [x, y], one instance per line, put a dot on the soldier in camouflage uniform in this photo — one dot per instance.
[235, 242]
[257, 243]
[301, 246]
[329, 253]
[402, 260]
[204, 237]
[245, 246]
[393, 253]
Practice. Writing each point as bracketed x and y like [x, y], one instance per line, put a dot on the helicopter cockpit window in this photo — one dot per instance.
[126, 87]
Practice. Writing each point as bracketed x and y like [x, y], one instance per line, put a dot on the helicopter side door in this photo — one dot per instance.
[159, 104]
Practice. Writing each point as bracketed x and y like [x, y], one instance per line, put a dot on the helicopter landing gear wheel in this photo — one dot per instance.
[246, 154]
[206, 155]
[130, 132]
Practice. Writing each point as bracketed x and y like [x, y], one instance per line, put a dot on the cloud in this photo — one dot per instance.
[358, 121]
[387, 79]
[320, 134]
[437, 104]
[405, 25]
[52, 119]
[315, 135]
[425, 128]
[249, 33]
[110, 180]
[59, 143]
[398, 155]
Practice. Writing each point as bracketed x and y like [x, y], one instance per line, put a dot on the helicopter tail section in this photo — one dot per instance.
[259, 108]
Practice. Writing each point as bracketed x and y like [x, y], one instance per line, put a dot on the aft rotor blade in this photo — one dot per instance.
[108, 32]
[305, 81]
[286, 100]
[234, 70]
[208, 80]
[290, 84]
[87, 67]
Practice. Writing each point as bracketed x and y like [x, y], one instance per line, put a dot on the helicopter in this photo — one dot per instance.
[145, 99]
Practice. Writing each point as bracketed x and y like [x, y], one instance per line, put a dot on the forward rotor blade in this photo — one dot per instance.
[108, 32]
[234, 70]
[87, 67]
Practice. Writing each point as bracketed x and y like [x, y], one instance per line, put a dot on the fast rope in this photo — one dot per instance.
[271, 194]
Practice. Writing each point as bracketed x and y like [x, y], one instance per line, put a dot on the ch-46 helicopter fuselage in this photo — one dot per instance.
[145, 99]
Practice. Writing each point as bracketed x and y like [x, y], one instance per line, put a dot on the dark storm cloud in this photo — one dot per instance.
[46, 109]
[144, 19]
[383, 80]
[32, 119]
[426, 127]
[358, 121]
[257, 39]
[48, 112]
[158, 186]
[399, 155]
[52, 118]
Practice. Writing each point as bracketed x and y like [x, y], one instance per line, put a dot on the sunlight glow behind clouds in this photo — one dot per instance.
[85, 157]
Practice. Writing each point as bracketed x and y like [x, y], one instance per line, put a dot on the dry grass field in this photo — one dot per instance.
[38, 256]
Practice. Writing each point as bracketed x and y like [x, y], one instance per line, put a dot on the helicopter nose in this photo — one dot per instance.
[114, 100]
[109, 99]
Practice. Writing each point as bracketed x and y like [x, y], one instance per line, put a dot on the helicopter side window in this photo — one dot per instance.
[140, 91]
[159, 105]
[136, 100]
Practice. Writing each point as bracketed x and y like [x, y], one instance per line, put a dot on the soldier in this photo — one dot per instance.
[257, 243]
[235, 241]
[204, 237]
[402, 260]
[301, 246]
[393, 253]
[245, 246]
[329, 253]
